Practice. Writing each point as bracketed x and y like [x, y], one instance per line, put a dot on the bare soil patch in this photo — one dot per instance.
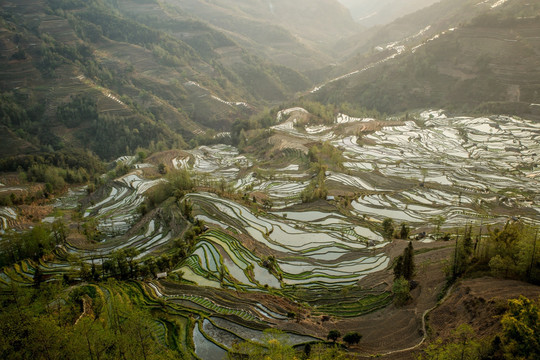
[479, 303]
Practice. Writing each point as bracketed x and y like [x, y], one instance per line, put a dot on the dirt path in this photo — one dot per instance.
[424, 327]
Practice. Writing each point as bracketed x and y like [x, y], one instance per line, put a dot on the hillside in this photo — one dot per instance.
[488, 64]
[139, 84]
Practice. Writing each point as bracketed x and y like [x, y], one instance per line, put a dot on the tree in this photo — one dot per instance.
[401, 290]
[94, 272]
[352, 338]
[291, 315]
[60, 231]
[333, 335]
[404, 232]
[90, 339]
[162, 168]
[388, 228]
[187, 210]
[461, 345]
[438, 221]
[180, 181]
[521, 329]
[38, 277]
[408, 262]
[398, 267]
[467, 241]
[85, 272]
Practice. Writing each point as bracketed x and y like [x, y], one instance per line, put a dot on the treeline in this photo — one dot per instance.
[512, 251]
[204, 39]
[55, 170]
[17, 112]
[168, 50]
[322, 156]
[316, 189]
[79, 110]
[22, 112]
[326, 154]
[71, 158]
[124, 264]
[109, 136]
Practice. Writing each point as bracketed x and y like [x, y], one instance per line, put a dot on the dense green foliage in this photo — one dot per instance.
[324, 154]
[79, 111]
[352, 338]
[53, 169]
[388, 228]
[28, 245]
[317, 187]
[462, 345]
[401, 289]
[98, 62]
[521, 329]
[404, 264]
[65, 159]
[403, 273]
[14, 111]
[60, 323]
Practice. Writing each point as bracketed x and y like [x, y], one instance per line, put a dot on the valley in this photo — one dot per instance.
[239, 179]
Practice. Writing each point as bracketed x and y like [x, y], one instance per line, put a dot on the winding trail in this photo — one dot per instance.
[424, 337]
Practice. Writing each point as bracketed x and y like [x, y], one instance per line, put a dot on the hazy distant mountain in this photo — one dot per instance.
[297, 34]
[370, 12]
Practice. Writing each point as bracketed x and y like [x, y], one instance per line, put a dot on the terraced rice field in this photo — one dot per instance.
[465, 170]
[309, 246]
[117, 212]
[7, 217]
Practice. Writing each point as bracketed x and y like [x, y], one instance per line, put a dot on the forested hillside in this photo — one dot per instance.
[86, 74]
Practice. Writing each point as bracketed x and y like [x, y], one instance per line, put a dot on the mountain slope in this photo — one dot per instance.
[412, 29]
[129, 84]
[488, 64]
